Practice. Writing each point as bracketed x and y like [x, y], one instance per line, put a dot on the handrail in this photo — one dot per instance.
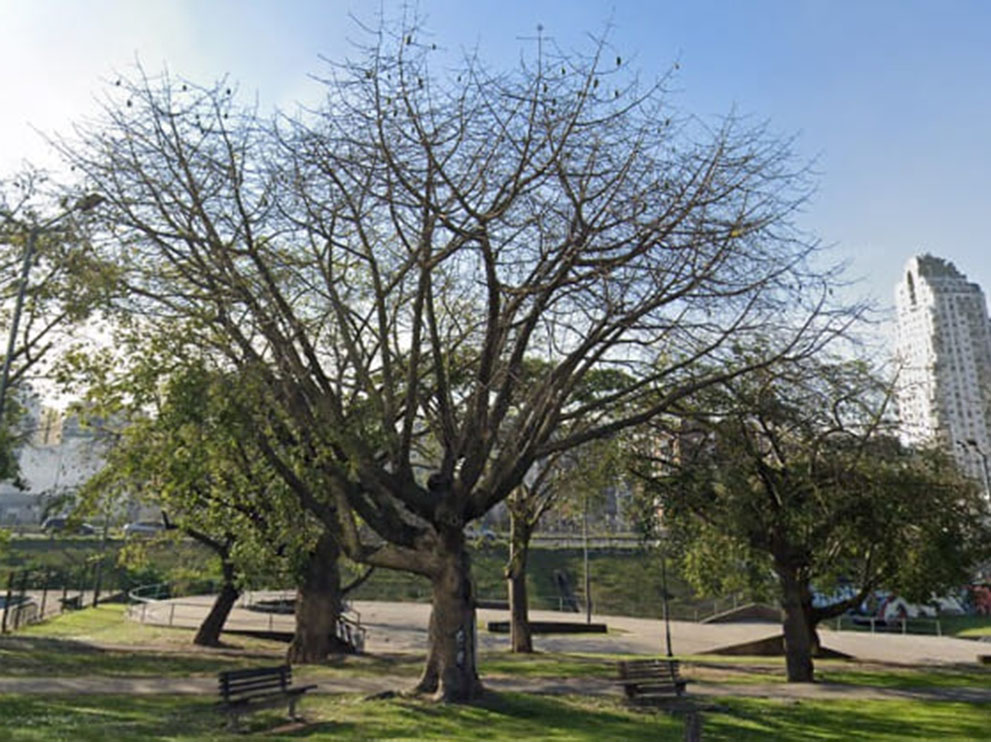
[348, 627]
[907, 623]
[137, 594]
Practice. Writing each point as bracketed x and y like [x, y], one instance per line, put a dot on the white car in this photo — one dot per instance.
[143, 528]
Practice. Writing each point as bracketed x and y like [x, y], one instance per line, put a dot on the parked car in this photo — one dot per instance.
[62, 524]
[143, 528]
[480, 536]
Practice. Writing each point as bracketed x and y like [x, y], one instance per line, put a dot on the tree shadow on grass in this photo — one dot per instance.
[25, 656]
[97, 718]
[748, 720]
[500, 716]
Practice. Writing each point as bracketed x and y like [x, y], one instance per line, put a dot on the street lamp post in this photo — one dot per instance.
[664, 598]
[588, 579]
[86, 203]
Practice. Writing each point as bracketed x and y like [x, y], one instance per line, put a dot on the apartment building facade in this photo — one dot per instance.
[943, 346]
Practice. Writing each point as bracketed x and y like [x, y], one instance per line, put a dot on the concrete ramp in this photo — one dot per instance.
[761, 612]
[770, 646]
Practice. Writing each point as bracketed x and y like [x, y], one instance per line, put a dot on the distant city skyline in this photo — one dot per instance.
[890, 99]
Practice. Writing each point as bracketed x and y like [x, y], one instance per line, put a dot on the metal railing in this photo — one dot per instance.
[31, 596]
[158, 604]
[20, 614]
[901, 625]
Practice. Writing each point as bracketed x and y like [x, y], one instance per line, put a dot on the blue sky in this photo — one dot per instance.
[891, 99]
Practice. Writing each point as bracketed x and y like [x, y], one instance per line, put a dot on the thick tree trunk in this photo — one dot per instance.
[813, 629]
[451, 670]
[318, 605]
[800, 637]
[520, 639]
[208, 634]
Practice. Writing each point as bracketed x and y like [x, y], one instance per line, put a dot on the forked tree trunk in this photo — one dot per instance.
[451, 669]
[208, 634]
[318, 605]
[520, 638]
[799, 636]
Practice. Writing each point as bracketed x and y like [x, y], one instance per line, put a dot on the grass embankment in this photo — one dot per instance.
[967, 627]
[70, 561]
[625, 581]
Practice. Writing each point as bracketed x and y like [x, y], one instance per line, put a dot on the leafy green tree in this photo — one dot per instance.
[192, 456]
[51, 281]
[184, 458]
[792, 474]
[384, 270]
[566, 479]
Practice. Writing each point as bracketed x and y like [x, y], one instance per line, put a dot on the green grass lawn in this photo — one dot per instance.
[76, 643]
[108, 624]
[892, 677]
[71, 645]
[509, 716]
[968, 627]
[751, 670]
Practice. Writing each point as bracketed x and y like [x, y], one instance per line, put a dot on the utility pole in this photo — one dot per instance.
[664, 599]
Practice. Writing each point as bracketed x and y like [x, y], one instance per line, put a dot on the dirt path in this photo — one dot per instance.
[572, 686]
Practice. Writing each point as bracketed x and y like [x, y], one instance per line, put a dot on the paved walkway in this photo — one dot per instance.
[402, 627]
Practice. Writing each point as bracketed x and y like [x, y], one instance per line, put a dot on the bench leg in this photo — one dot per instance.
[232, 721]
[292, 709]
[693, 727]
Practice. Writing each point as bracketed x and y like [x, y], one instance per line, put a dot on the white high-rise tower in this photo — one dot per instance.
[944, 347]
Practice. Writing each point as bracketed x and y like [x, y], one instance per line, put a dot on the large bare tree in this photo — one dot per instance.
[422, 272]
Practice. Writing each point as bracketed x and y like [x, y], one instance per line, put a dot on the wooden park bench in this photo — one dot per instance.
[243, 691]
[650, 681]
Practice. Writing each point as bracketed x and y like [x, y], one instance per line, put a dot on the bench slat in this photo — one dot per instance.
[252, 672]
[650, 679]
[247, 685]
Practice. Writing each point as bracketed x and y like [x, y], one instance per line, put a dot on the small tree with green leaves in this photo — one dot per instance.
[184, 447]
[51, 281]
[793, 474]
[564, 480]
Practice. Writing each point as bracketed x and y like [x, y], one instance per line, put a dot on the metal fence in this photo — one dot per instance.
[165, 605]
[30, 596]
